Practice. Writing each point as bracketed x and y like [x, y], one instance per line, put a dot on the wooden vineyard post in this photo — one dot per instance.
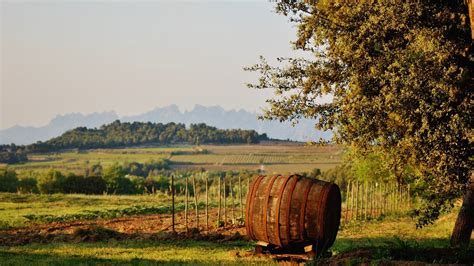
[357, 201]
[232, 200]
[220, 197]
[408, 196]
[377, 199]
[225, 203]
[207, 203]
[398, 191]
[347, 201]
[389, 198]
[366, 204]
[372, 199]
[352, 200]
[186, 192]
[381, 199]
[240, 199]
[172, 203]
[196, 201]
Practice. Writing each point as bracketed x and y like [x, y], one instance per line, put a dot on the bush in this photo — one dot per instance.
[121, 185]
[8, 180]
[28, 185]
[94, 185]
[51, 182]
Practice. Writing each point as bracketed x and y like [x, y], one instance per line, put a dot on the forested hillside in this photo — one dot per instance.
[118, 134]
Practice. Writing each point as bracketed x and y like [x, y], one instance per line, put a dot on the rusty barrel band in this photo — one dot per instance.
[277, 214]
[249, 223]
[322, 209]
[292, 189]
[265, 208]
[303, 210]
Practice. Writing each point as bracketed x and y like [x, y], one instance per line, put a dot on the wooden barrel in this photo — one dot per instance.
[293, 211]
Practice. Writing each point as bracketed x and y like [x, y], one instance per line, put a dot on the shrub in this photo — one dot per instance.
[27, 185]
[8, 180]
[51, 182]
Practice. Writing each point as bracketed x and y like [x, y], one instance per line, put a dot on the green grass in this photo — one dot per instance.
[392, 233]
[14, 207]
[131, 253]
[277, 158]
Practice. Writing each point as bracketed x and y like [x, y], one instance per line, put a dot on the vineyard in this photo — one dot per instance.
[200, 213]
[281, 158]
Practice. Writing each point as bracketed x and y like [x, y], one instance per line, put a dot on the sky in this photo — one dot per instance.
[59, 57]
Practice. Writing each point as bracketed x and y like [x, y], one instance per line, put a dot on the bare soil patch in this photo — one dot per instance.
[144, 227]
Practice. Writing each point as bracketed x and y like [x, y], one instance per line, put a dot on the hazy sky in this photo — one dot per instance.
[59, 57]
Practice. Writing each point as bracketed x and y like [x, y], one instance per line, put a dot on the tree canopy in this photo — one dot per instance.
[400, 75]
[118, 134]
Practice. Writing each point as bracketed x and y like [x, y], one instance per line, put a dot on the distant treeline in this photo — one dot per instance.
[127, 178]
[118, 134]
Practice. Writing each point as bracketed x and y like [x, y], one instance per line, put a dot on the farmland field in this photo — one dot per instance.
[271, 157]
[65, 229]
[146, 240]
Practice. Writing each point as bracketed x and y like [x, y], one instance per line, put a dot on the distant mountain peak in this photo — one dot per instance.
[214, 115]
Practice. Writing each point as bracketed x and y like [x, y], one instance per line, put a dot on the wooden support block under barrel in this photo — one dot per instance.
[292, 214]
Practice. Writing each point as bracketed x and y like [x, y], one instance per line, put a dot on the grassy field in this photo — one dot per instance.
[14, 207]
[379, 239]
[271, 157]
[138, 220]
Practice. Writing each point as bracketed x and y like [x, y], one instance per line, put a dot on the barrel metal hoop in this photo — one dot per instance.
[303, 211]
[265, 209]
[322, 209]
[250, 206]
[289, 208]
[277, 214]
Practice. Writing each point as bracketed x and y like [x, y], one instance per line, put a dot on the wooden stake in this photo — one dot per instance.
[357, 200]
[347, 200]
[172, 203]
[186, 204]
[220, 198]
[240, 199]
[225, 203]
[196, 202]
[366, 194]
[232, 200]
[352, 200]
[207, 203]
[409, 197]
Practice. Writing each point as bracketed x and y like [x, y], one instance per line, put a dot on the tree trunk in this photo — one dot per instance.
[465, 221]
[470, 11]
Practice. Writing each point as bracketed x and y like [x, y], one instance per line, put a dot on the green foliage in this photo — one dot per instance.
[400, 79]
[119, 134]
[84, 185]
[8, 180]
[11, 157]
[100, 214]
[51, 182]
[27, 185]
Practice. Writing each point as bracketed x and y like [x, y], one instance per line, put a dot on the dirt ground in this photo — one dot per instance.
[128, 228]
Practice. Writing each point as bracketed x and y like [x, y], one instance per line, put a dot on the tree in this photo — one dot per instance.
[51, 182]
[400, 78]
[8, 180]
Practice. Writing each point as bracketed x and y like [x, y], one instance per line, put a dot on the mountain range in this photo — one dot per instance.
[211, 115]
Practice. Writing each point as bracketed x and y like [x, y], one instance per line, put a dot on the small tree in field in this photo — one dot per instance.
[400, 75]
